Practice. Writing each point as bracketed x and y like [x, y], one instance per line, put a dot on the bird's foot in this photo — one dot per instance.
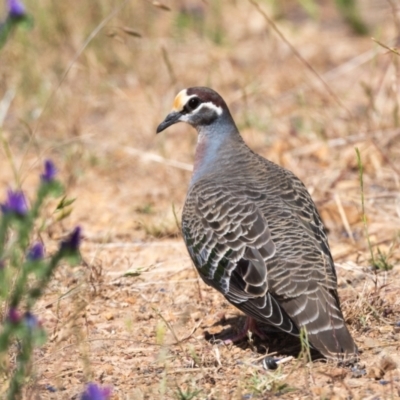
[249, 326]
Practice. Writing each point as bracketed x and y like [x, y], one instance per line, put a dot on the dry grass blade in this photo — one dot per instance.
[194, 329]
[168, 64]
[343, 216]
[5, 104]
[156, 158]
[171, 329]
[161, 6]
[300, 57]
[391, 49]
[131, 32]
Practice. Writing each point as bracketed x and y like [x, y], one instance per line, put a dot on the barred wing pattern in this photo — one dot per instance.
[261, 243]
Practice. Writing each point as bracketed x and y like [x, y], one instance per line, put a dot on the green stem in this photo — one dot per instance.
[35, 292]
[364, 216]
[3, 232]
[23, 358]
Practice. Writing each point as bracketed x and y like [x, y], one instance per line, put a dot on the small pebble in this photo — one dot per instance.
[270, 363]
[384, 382]
[357, 372]
[50, 388]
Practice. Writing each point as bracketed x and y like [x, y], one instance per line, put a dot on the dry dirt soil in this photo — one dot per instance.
[87, 87]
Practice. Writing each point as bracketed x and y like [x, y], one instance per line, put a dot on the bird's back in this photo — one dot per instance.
[254, 234]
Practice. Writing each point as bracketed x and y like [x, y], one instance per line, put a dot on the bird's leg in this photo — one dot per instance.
[249, 325]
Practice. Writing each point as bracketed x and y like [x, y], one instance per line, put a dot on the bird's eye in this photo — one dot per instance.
[194, 103]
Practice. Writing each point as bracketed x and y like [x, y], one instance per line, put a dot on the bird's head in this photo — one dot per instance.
[197, 106]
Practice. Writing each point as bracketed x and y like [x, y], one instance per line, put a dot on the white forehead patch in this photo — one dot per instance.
[180, 100]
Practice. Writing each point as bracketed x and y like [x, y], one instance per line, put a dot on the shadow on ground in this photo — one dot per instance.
[276, 342]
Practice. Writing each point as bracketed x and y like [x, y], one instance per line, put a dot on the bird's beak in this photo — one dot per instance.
[170, 119]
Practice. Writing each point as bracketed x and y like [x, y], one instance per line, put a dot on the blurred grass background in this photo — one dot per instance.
[84, 103]
[89, 83]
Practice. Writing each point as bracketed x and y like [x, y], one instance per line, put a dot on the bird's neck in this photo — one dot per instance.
[215, 150]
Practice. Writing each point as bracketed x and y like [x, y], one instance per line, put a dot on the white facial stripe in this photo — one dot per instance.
[217, 109]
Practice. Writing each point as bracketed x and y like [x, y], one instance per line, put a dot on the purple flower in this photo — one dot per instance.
[73, 241]
[50, 171]
[95, 392]
[13, 315]
[31, 320]
[15, 203]
[16, 9]
[36, 252]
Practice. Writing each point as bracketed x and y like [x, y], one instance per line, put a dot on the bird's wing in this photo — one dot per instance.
[308, 289]
[270, 257]
[230, 242]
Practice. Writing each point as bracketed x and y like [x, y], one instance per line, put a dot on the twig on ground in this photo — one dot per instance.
[155, 157]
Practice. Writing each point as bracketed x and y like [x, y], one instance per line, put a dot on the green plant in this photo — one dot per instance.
[25, 273]
[188, 394]
[381, 260]
[262, 382]
[305, 351]
[16, 15]
[351, 14]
